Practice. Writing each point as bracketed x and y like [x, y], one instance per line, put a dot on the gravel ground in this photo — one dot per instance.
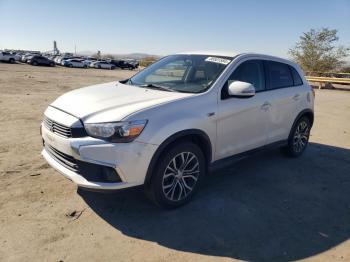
[263, 208]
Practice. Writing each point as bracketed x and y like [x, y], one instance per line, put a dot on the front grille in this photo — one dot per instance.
[64, 159]
[57, 128]
[64, 131]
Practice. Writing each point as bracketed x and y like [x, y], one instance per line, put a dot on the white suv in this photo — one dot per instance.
[7, 57]
[164, 126]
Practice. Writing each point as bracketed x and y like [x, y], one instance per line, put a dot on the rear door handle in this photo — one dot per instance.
[265, 106]
[296, 97]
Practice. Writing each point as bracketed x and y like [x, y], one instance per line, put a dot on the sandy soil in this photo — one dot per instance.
[263, 208]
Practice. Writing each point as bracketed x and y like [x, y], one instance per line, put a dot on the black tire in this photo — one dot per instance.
[70, 65]
[52, 64]
[11, 60]
[158, 188]
[34, 63]
[298, 138]
[99, 67]
[112, 67]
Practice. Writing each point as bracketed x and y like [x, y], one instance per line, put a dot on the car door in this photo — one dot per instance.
[242, 122]
[285, 96]
[41, 61]
[75, 63]
[80, 64]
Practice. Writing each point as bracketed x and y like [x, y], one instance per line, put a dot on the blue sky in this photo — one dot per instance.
[163, 27]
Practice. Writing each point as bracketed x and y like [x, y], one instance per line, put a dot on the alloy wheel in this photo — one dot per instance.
[180, 176]
[301, 137]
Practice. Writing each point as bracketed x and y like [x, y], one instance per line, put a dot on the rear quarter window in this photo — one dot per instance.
[278, 75]
[296, 77]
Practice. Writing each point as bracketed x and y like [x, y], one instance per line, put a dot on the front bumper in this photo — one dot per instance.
[129, 160]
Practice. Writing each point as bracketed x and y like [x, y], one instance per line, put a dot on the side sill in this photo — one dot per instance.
[239, 156]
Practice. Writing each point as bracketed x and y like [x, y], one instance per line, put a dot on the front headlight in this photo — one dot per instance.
[117, 131]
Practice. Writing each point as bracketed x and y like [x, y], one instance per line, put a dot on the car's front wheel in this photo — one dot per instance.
[177, 175]
[299, 137]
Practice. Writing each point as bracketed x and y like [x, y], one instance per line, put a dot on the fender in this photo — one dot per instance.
[173, 138]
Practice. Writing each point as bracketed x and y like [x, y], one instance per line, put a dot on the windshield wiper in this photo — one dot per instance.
[153, 86]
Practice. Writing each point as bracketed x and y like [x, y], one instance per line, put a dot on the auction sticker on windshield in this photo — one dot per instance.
[217, 60]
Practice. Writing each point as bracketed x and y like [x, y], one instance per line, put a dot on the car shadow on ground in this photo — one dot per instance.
[263, 208]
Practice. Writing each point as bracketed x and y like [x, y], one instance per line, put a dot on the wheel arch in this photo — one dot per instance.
[197, 136]
[306, 112]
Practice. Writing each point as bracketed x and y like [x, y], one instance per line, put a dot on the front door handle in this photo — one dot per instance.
[296, 97]
[265, 106]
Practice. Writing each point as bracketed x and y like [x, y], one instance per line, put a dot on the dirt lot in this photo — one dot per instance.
[263, 208]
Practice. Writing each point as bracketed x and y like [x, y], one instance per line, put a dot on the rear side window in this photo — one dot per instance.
[278, 75]
[296, 77]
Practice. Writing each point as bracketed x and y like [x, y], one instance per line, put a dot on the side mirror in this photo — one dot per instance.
[241, 89]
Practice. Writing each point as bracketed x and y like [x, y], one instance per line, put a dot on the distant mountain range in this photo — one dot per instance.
[137, 56]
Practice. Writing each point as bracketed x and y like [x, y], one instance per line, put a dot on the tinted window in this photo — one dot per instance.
[251, 71]
[296, 77]
[278, 75]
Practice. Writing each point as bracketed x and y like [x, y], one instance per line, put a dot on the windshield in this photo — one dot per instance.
[182, 73]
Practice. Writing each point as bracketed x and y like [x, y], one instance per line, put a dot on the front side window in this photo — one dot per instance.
[252, 72]
[182, 73]
[278, 75]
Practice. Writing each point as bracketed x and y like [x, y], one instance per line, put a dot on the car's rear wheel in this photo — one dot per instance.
[52, 64]
[298, 138]
[12, 60]
[177, 175]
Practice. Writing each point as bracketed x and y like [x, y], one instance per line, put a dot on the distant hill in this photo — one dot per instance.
[136, 56]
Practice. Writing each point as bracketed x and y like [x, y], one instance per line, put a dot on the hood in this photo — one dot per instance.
[111, 101]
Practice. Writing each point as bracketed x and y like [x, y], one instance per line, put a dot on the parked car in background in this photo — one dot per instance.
[134, 62]
[102, 65]
[18, 56]
[63, 60]
[26, 57]
[88, 61]
[165, 126]
[123, 64]
[58, 60]
[75, 63]
[40, 60]
[7, 57]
